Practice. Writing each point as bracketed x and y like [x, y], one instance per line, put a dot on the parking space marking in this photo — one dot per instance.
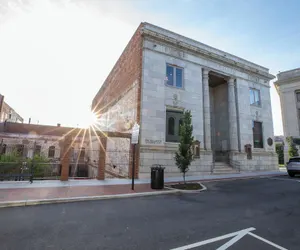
[201, 243]
[267, 241]
[236, 237]
[233, 240]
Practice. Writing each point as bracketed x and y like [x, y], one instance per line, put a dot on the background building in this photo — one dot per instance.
[7, 113]
[288, 88]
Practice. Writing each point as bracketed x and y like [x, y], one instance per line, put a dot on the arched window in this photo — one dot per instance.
[171, 126]
[51, 152]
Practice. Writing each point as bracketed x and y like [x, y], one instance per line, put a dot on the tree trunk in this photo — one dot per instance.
[184, 178]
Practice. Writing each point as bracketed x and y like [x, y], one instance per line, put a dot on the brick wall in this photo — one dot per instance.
[125, 73]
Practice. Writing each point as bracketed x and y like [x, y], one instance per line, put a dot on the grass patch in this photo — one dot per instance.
[187, 186]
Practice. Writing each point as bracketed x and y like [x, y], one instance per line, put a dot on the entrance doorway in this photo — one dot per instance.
[218, 91]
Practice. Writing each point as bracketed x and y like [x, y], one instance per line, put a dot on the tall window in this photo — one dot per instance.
[255, 97]
[20, 149]
[298, 96]
[37, 150]
[174, 76]
[51, 152]
[257, 135]
[173, 121]
[3, 149]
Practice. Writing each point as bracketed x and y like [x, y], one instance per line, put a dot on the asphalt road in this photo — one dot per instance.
[270, 206]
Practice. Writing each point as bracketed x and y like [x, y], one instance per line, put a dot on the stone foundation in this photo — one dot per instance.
[164, 155]
[261, 161]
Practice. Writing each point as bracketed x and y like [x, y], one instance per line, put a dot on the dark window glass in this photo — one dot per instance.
[294, 160]
[3, 150]
[20, 150]
[170, 76]
[172, 125]
[179, 78]
[257, 135]
[37, 150]
[51, 152]
[298, 96]
[180, 123]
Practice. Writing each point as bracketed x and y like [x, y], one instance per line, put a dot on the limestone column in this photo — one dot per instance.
[232, 116]
[206, 110]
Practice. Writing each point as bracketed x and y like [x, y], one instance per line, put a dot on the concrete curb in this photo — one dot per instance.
[83, 198]
[189, 191]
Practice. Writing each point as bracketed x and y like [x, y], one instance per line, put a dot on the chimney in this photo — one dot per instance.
[58, 124]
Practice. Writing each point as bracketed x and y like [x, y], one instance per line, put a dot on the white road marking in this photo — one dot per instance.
[233, 240]
[267, 241]
[201, 243]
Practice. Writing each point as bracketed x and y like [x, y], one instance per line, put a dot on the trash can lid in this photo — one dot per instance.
[156, 167]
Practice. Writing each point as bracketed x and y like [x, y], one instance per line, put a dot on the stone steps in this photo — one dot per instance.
[223, 168]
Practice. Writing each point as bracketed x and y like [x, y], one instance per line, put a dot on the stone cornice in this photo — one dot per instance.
[208, 54]
[287, 81]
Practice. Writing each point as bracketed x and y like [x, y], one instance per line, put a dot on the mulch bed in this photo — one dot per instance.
[187, 186]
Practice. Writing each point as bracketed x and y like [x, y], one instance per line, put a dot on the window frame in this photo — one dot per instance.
[177, 115]
[175, 67]
[37, 150]
[51, 149]
[297, 93]
[261, 135]
[259, 97]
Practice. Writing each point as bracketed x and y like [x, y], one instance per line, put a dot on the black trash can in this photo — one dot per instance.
[157, 176]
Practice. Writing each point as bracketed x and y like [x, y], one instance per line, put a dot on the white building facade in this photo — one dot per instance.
[288, 89]
[229, 99]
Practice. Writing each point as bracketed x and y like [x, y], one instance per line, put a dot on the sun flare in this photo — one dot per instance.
[90, 120]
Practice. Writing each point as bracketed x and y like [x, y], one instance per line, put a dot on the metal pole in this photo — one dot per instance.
[133, 165]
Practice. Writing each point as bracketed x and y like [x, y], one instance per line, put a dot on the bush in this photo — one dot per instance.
[293, 151]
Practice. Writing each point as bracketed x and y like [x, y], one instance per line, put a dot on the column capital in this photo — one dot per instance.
[231, 81]
[205, 72]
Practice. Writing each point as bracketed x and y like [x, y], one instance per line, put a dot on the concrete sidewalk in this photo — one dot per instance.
[93, 182]
[40, 192]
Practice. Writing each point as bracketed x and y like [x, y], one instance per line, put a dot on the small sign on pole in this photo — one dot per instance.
[134, 141]
[135, 134]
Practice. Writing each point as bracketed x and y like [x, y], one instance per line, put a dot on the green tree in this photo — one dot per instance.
[279, 151]
[184, 155]
[293, 151]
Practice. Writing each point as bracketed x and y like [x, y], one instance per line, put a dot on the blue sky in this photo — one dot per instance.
[50, 49]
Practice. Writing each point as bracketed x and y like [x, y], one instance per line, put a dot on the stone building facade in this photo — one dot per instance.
[27, 140]
[288, 89]
[167, 73]
[7, 113]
